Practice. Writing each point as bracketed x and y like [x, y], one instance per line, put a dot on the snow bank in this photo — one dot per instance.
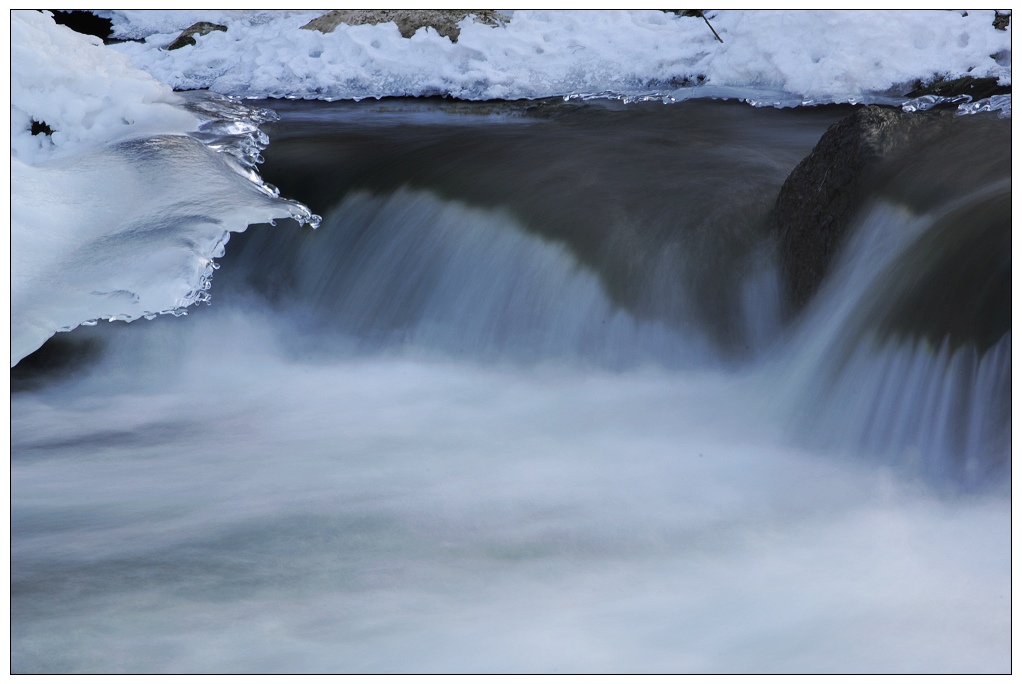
[86, 94]
[822, 56]
[120, 211]
[138, 24]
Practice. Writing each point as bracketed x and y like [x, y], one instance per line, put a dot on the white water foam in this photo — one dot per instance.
[230, 512]
[926, 407]
[204, 498]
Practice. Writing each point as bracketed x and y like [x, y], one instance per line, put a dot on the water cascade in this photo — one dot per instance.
[530, 399]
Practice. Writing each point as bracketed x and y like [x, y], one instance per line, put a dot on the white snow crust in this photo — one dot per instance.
[87, 94]
[817, 56]
[119, 212]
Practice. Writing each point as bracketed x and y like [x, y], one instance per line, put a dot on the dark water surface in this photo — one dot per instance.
[666, 206]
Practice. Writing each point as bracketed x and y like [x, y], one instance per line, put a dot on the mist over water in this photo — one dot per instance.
[524, 402]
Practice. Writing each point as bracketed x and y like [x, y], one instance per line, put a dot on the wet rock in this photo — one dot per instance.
[200, 28]
[444, 22]
[954, 284]
[84, 21]
[819, 199]
[40, 128]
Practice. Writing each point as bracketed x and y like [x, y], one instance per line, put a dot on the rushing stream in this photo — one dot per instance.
[529, 399]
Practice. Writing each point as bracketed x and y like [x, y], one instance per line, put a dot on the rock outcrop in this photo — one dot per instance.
[200, 28]
[819, 199]
[84, 21]
[444, 22]
[954, 283]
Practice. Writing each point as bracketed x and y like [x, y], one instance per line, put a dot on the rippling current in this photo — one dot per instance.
[530, 400]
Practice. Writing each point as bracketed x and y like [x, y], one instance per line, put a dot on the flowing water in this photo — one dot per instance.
[528, 400]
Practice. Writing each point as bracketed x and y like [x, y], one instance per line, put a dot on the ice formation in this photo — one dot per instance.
[118, 204]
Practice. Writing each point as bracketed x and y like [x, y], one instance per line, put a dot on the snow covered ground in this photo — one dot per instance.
[823, 56]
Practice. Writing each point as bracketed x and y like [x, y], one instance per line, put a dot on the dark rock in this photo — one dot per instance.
[1001, 19]
[954, 283]
[444, 22]
[41, 128]
[819, 199]
[973, 153]
[84, 21]
[187, 36]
